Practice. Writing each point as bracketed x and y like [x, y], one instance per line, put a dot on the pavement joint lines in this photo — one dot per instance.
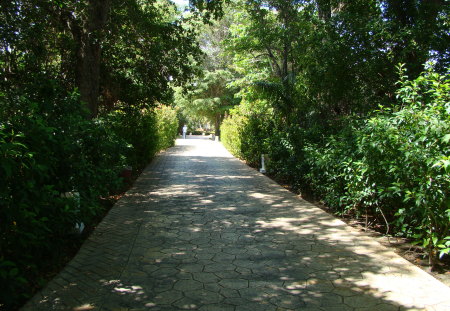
[202, 231]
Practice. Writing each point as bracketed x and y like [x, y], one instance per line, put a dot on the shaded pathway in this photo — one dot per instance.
[202, 231]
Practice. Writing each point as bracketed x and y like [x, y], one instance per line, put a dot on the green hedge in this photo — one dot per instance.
[166, 126]
[394, 165]
[49, 148]
[247, 131]
[137, 126]
[232, 133]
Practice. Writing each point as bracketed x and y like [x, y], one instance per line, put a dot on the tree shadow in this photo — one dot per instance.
[209, 233]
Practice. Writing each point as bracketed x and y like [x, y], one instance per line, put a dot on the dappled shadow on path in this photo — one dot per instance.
[200, 230]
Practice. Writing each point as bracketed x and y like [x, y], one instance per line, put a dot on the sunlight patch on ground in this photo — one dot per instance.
[130, 290]
[84, 307]
[206, 151]
[282, 223]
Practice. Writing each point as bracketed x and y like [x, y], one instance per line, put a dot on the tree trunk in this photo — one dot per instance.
[217, 122]
[89, 53]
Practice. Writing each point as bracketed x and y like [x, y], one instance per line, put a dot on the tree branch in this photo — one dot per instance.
[274, 62]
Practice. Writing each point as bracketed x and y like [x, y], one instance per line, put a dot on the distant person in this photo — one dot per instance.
[184, 131]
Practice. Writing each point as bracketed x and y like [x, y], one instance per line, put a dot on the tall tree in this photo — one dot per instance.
[109, 50]
[329, 58]
[418, 28]
[268, 32]
[210, 95]
[89, 34]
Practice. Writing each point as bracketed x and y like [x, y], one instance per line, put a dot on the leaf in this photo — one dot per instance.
[435, 240]
[446, 138]
[443, 252]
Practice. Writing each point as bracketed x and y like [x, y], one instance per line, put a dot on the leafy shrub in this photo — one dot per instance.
[231, 134]
[407, 151]
[394, 165]
[47, 149]
[138, 127]
[247, 131]
[166, 126]
[327, 166]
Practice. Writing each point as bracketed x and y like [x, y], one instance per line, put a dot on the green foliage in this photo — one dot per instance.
[209, 97]
[136, 126]
[46, 158]
[47, 149]
[408, 149]
[232, 134]
[166, 126]
[146, 50]
[323, 69]
[207, 9]
[319, 61]
[326, 168]
[394, 165]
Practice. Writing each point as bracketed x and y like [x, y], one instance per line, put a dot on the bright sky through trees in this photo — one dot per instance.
[181, 3]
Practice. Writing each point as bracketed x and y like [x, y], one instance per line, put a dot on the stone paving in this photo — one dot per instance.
[202, 231]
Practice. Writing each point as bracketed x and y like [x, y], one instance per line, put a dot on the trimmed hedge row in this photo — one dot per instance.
[166, 126]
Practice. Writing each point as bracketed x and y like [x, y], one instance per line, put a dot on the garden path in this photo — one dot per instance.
[200, 230]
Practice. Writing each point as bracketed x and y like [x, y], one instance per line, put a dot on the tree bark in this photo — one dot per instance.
[89, 53]
[274, 62]
[217, 122]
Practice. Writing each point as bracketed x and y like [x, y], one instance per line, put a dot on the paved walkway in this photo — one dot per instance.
[202, 231]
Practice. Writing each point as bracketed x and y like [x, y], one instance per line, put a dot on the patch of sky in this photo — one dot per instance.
[181, 3]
